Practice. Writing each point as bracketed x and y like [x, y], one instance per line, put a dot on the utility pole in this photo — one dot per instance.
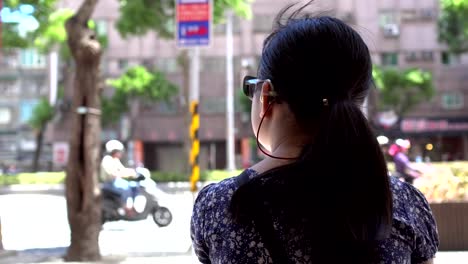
[230, 150]
[53, 76]
[194, 96]
[365, 107]
[194, 31]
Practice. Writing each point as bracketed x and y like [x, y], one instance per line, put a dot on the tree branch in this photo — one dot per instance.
[85, 11]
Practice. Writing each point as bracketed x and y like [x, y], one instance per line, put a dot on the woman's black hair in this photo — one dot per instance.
[336, 198]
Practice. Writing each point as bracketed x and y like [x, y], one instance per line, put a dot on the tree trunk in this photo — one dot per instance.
[82, 190]
[37, 153]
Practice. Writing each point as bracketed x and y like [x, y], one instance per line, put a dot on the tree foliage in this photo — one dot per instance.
[158, 15]
[453, 25]
[401, 90]
[42, 10]
[50, 34]
[136, 82]
[43, 112]
[244, 103]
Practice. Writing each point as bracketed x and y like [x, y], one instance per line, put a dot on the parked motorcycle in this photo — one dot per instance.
[145, 203]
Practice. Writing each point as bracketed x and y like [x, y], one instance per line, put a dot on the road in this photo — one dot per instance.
[36, 226]
[39, 221]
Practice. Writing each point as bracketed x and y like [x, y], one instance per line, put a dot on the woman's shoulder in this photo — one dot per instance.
[221, 192]
[409, 204]
[227, 184]
[406, 197]
[413, 220]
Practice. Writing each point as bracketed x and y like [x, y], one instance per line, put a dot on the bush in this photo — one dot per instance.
[441, 182]
[33, 178]
[215, 175]
[59, 177]
[444, 182]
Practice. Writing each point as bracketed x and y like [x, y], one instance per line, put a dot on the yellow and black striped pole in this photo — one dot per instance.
[195, 150]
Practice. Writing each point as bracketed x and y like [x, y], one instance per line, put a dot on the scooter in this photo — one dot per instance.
[145, 203]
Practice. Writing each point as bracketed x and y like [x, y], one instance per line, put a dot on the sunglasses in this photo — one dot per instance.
[250, 85]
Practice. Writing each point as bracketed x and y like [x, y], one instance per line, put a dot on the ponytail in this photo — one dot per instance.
[350, 155]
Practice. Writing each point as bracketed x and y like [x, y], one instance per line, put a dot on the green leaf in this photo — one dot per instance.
[159, 15]
[42, 11]
[136, 82]
[401, 90]
[54, 33]
[453, 25]
[43, 112]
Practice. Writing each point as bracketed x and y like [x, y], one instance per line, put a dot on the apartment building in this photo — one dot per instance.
[23, 81]
[399, 33]
[404, 34]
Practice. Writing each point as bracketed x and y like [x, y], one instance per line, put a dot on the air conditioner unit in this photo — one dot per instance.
[391, 30]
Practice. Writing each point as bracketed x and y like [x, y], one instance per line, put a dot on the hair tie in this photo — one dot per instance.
[325, 101]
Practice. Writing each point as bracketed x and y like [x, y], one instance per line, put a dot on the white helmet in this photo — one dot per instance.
[404, 143]
[113, 145]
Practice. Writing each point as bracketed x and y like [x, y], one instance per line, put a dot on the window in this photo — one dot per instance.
[26, 109]
[9, 87]
[5, 115]
[101, 27]
[446, 58]
[411, 56]
[389, 59]
[387, 17]
[123, 64]
[161, 107]
[427, 55]
[148, 63]
[428, 14]
[220, 29]
[213, 105]
[452, 101]
[31, 58]
[348, 17]
[213, 64]
[167, 65]
[262, 23]
[409, 15]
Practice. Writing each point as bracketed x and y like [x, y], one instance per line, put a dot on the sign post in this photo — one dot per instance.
[194, 20]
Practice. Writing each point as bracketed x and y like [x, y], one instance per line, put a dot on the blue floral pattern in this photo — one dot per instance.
[217, 239]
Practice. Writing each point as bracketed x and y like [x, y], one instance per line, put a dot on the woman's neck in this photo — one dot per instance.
[284, 150]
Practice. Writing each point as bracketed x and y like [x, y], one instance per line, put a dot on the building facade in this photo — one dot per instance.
[398, 33]
[23, 81]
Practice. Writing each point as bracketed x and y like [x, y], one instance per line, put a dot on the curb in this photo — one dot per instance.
[7, 253]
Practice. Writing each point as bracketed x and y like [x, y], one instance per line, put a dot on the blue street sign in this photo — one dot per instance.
[193, 18]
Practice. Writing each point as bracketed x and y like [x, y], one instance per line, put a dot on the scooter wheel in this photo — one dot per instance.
[162, 216]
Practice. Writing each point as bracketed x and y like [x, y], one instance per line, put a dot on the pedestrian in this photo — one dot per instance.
[322, 194]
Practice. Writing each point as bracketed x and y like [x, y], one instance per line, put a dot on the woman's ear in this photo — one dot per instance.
[265, 99]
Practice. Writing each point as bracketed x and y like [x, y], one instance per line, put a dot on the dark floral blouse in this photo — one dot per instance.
[216, 239]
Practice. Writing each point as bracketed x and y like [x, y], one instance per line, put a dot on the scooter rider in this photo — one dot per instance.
[113, 174]
[403, 166]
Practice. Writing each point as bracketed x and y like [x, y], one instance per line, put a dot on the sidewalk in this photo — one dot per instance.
[12, 257]
[17, 258]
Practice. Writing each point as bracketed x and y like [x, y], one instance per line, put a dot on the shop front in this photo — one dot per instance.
[437, 139]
